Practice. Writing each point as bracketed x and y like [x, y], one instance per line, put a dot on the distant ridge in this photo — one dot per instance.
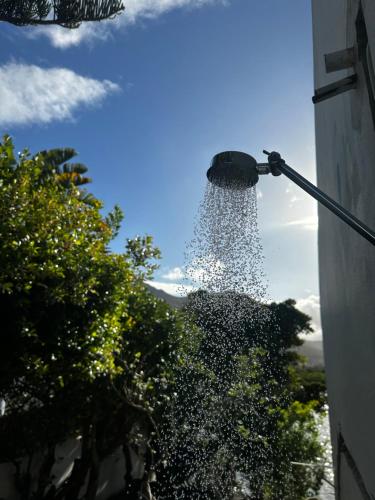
[311, 349]
[176, 302]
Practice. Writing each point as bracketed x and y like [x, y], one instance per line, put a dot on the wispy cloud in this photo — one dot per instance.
[175, 274]
[293, 194]
[309, 223]
[136, 10]
[31, 94]
[64, 38]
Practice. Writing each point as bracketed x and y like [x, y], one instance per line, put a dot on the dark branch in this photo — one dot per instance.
[66, 13]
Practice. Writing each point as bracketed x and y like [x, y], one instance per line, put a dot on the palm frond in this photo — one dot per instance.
[56, 157]
[68, 179]
[89, 199]
[78, 168]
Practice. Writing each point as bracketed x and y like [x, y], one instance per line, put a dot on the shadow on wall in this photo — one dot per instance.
[111, 479]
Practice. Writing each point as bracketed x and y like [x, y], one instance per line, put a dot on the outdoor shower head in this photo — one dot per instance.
[234, 170]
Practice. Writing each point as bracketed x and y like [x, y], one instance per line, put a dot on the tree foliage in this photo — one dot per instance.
[84, 347]
[309, 384]
[66, 13]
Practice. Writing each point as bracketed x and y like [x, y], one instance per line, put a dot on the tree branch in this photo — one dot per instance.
[65, 13]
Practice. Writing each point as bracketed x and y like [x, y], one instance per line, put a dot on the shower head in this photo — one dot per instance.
[235, 170]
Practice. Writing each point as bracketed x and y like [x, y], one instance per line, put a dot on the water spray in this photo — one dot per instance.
[238, 171]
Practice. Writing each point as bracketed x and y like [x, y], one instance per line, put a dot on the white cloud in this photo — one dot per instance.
[135, 10]
[311, 305]
[309, 223]
[152, 8]
[172, 288]
[31, 94]
[63, 38]
[174, 274]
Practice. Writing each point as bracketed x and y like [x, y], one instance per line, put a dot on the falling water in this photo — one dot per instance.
[225, 253]
[204, 455]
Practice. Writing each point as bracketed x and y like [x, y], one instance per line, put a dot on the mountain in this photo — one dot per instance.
[176, 302]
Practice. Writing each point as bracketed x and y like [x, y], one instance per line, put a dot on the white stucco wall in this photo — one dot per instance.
[345, 148]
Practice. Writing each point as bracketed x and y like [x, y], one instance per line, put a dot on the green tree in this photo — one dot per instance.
[84, 348]
[66, 13]
[309, 384]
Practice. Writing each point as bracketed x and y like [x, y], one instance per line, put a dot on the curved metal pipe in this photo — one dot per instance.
[278, 166]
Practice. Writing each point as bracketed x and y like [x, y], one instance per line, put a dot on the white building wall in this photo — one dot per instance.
[345, 149]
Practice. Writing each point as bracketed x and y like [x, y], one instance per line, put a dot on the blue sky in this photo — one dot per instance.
[148, 99]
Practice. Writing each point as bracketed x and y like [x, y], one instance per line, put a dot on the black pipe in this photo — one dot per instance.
[278, 165]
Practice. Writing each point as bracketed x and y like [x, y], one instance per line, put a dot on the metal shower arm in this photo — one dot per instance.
[278, 166]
